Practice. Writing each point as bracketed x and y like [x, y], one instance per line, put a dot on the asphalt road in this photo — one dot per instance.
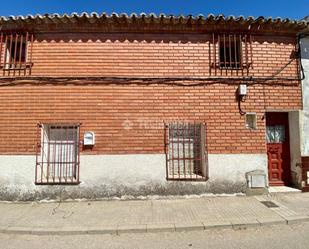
[277, 236]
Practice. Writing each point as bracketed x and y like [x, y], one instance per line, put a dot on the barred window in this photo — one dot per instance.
[230, 54]
[57, 154]
[186, 151]
[16, 53]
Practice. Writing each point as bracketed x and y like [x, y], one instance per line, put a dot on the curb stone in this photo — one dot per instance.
[150, 228]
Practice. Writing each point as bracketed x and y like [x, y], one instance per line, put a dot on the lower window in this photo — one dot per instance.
[57, 157]
[186, 153]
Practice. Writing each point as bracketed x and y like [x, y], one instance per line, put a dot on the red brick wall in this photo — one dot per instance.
[103, 108]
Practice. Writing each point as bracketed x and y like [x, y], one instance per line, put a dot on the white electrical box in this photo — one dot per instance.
[89, 138]
[256, 179]
[242, 90]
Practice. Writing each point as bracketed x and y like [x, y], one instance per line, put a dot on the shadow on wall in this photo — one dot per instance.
[120, 191]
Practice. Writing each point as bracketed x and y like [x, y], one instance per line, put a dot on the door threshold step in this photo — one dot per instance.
[283, 189]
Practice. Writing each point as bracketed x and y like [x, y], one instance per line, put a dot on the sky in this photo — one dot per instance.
[295, 9]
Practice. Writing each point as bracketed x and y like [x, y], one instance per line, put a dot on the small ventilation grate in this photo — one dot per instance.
[269, 204]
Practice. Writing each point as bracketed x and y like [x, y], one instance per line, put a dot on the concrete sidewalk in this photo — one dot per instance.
[117, 217]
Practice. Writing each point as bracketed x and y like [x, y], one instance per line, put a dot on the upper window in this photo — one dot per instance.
[186, 151]
[16, 54]
[58, 154]
[230, 53]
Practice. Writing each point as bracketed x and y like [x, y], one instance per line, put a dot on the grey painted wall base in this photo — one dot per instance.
[119, 175]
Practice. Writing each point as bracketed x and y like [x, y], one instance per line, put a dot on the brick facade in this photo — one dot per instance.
[108, 107]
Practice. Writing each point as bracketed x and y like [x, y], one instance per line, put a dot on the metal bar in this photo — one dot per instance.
[78, 150]
[235, 54]
[166, 149]
[42, 151]
[194, 144]
[183, 149]
[60, 157]
[48, 153]
[5, 53]
[10, 53]
[31, 50]
[173, 164]
[214, 53]
[224, 47]
[66, 155]
[240, 55]
[230, 54]
[20, 52]
[220, 62]
[1, 47]
[54, 158]
[247, 58]
[15, 53]
[26, 51]
[251, 54]
[189, 149]
[36, 151]
[178, 149]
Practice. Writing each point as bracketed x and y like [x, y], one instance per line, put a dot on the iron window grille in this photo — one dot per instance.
[230, 54]
[58, 154]
[186, 151]
[16, 53]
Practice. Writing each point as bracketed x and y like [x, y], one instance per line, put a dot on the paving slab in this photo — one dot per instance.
[163, 215]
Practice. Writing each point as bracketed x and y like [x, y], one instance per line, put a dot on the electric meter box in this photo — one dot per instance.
[242, 90]
[89, 138]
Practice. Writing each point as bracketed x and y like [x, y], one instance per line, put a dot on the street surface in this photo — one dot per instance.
[276, 236]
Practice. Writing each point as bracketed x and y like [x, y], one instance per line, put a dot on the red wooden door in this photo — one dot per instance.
[275, 170]
[278, 148]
